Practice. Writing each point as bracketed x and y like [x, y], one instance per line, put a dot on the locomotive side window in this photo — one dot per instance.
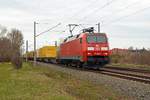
[94, 39]
[80, 40]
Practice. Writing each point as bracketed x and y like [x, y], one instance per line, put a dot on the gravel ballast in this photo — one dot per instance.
[137, 90]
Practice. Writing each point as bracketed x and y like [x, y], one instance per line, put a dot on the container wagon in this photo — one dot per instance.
[47, 54]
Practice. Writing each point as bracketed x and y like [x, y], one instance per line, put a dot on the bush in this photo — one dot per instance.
[132, 57]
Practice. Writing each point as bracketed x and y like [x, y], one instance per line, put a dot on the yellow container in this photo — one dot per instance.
[47, 52]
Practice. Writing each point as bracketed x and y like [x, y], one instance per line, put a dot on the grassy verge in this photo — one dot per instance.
[41, 83]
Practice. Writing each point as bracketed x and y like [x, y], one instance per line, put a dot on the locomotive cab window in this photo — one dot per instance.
[96, 39]
[101, 39]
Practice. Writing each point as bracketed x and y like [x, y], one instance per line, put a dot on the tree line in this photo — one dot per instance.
[11, 46]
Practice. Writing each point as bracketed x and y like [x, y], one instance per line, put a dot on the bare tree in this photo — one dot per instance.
[4, 45]
[16, 39]
[4, 49]
[3, 30]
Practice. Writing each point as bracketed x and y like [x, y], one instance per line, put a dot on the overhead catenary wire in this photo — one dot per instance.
[121, 10]
[120, 18]
[84, 8]
[97, 9]
[48, 29]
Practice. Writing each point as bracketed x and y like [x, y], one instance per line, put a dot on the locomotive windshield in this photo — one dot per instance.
[96, 39]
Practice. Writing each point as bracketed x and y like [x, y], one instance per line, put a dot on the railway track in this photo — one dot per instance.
[125, 73]
[130, 74]
[129, 69]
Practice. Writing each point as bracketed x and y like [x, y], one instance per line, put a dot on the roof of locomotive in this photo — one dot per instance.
[70, 38]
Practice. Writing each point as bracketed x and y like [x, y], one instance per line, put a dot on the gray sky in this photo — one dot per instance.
[126, 22]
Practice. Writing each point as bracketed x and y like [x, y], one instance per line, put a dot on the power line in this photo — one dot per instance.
[118, 19]
[48, 29]
[120, 10]
[84, 8]
[98, 9]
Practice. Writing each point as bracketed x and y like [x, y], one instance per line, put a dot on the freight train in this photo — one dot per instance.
[87, 49]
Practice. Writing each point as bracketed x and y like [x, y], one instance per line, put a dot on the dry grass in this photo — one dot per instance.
[132, 59]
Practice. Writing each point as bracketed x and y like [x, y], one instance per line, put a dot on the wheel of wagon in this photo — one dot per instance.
[78, 65]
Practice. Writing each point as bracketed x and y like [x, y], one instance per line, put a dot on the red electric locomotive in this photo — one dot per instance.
[87, 49]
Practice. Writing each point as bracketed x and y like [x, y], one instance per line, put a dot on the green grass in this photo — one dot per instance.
[41, 83]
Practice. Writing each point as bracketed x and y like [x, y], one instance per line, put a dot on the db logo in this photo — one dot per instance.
[97, 48]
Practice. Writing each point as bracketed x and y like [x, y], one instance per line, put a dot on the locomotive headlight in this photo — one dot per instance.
[90, 48]
[104, 48]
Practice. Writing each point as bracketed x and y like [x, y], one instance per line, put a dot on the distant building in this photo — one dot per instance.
[118, 50]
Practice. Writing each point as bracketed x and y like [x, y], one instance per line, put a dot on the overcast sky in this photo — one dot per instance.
[126, 22]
